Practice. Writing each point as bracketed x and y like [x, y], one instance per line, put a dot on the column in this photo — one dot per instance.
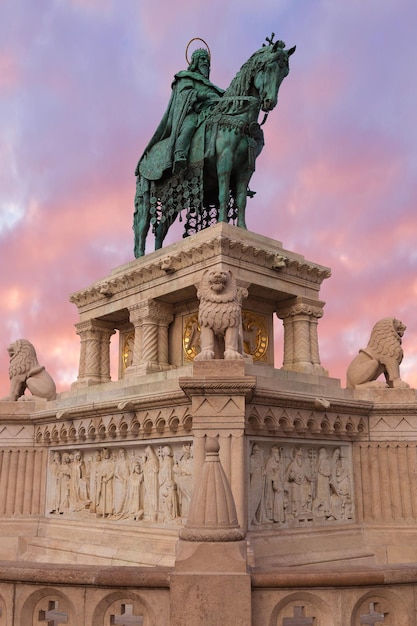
[94, 367]
[151, 320]
[301, 347]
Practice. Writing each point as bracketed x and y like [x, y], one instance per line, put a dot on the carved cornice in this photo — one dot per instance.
[118, 405]
[144, 270]
[125, 426]
[281, 398]
[197, 386]
[290, 415]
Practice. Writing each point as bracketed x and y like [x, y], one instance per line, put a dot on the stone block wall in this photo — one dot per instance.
[92, 596]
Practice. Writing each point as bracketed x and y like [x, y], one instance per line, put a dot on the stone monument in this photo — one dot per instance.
[209, 484]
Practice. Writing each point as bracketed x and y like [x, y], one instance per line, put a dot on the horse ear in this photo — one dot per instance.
[291, 51]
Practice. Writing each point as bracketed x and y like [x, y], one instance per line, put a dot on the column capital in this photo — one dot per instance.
[151, 310]
[95, 326]
[301, 306]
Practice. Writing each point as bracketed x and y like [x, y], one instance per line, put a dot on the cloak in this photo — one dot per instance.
[158, 155]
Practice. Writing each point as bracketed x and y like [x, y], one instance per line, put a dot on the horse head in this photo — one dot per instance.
[271, 70]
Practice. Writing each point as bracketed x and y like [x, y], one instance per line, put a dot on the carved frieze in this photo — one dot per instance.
[321, 420]
[146, 483]
[294, 484]
[123, 427]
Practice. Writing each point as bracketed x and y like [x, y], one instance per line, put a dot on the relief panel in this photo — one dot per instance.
[148, 483]
[297, 484]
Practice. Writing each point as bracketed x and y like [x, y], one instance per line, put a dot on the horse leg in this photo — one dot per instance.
[141, 219]
[241, 199]
[224, 168]
[243, 170]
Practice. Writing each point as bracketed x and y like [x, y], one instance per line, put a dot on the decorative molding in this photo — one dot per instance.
[144, 270]
[126, 426]
[289, 415]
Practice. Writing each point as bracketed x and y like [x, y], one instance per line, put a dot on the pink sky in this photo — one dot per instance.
[83, 84]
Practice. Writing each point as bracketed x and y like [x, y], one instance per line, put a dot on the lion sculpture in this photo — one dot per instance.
[26, 373]
[382, 355]
[220, 316]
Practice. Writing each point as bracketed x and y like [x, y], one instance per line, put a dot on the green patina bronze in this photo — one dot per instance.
[203, 153]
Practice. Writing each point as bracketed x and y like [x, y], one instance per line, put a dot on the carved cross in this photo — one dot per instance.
[299, 618]
[52, 615]
[127, 618]
[373, 617]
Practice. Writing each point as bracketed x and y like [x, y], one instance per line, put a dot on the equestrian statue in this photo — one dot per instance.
[202, 155]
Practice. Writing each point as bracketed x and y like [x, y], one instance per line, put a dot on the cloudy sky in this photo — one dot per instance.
[83, 84]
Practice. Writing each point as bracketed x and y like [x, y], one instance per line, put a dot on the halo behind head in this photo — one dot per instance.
[188, 46]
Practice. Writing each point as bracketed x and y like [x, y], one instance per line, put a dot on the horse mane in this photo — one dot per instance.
[241, 82]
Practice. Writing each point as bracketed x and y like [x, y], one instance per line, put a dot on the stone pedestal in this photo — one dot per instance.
[218, 391]
[210, 585]
[155, 297]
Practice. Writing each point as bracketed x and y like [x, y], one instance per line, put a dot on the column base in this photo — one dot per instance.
[146, 368]
[306, 368]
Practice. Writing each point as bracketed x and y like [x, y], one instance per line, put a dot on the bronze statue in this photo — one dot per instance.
[203, 153]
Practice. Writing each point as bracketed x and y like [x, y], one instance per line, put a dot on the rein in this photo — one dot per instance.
[264, 119]
[236, 98]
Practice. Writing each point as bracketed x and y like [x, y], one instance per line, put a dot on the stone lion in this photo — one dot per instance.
[220, 316]
[382, 355]
[26, 373]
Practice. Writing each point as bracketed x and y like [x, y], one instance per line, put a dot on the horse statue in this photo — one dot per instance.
[212, 182]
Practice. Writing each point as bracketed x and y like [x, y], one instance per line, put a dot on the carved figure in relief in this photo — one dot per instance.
[105, 495]
[321, 504]
[121, 481]
[256, 485]
[54, 493]
[150, 485]
[220, 316]
[94, 472]
[183, 472]
[168, 496]
[383, 355]
[134, 499]
[341, 496]
[79, 484]
[299, 485]
[65, 486]
[274, 488]
[26, 373]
